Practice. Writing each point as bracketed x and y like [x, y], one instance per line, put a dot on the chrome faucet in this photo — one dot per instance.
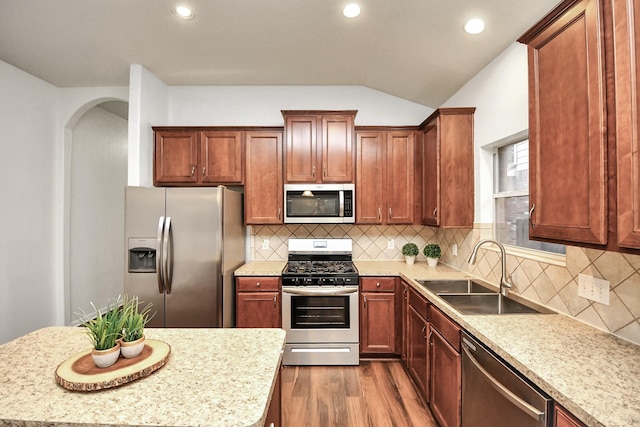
[505, 282]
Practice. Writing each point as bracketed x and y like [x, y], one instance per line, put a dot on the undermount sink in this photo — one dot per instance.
[491, 304]
[465, 286]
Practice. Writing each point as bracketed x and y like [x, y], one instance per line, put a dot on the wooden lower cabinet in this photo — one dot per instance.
[377, 315]
[446, 369]
[274, 416]
[258, 302]
[564, 418]
[417, 335]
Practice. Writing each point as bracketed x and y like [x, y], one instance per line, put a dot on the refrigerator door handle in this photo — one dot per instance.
[159, 256]
[167, 253]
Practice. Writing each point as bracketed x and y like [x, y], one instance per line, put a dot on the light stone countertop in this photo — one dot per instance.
[213, 377]
[261, 268]
[592, 373]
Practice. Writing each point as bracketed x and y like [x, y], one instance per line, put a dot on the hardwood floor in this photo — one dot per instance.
[374, 394]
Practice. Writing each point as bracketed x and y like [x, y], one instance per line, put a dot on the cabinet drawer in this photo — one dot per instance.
[418, 302]
[380, 284]
[447, 327]
[258, 284]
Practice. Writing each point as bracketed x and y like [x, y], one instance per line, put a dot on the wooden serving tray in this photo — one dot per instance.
[79, 373]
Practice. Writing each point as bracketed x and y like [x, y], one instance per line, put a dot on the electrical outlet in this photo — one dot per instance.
[593, 288]
[454, 249]
[265, 243]
[391, 244]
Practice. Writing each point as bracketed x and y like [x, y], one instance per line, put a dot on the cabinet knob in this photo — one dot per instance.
[257, 284]
[378, 285]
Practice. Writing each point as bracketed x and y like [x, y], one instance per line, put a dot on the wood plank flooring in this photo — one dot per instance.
[374, 394]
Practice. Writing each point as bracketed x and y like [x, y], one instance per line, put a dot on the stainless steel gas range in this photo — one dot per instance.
[320, 303]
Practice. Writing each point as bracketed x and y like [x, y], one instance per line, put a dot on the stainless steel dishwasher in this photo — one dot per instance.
[494, 394]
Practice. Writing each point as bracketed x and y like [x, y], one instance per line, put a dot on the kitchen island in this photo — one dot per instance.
[213, 377]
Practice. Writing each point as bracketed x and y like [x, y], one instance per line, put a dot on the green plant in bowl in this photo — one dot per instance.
[105, 329]
[432, 250]
[134, 319]
[410, 249]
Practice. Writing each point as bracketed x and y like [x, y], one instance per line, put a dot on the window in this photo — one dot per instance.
[511, 197]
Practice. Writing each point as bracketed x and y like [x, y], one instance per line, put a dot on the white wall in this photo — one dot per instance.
[98, 177]
[500, 94]
[148, 106]
[261, 105]
[28, 119]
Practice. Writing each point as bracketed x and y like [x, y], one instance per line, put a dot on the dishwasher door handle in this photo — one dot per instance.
[504, 391]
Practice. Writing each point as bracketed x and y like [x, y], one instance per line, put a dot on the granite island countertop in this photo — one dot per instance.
[213, 377]
[592, 373]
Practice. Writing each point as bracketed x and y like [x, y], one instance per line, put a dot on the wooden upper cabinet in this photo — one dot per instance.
[447, 168]
[626, 21]
[385, 176]
[567, 125]
[221, 156]
[263, 182]
[319, 146]
[175, 157]
[197, 157]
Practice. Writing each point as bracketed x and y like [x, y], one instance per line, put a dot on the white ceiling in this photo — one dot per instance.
[413, 49]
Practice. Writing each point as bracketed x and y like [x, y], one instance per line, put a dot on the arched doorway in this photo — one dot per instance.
[97, 177]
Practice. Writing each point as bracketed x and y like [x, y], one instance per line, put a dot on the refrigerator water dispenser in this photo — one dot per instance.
[142, 255]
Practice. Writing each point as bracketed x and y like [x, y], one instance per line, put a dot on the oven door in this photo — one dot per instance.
[322, 325]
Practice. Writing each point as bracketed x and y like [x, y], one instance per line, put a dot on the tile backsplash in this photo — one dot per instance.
[555, 286]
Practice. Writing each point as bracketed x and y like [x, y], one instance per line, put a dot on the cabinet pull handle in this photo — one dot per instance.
[324, 172]
[279, 213]
[390, 213]
[423, 329]
[203, 169]
[435, 213]
[364, 299]
[313, 171]
[193, 171]
[531, 216]
[379, 214]
[275, 300]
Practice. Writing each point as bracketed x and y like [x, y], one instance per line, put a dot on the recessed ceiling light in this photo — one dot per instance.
[183, 12]
[351, 10]
[474, 26]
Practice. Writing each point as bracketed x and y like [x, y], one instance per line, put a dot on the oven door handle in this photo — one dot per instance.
[319, 292]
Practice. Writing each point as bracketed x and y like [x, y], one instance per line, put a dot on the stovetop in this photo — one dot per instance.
[320, 267]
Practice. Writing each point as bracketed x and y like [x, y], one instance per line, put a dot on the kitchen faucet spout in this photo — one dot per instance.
[505, 283]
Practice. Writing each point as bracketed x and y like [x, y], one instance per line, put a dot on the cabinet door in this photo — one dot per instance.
[370, 177]
[446, 381]
[567, 127]
[301, 156]
[221, 159]
[263, 188]
[563, 418]
[431, 176]
[627, 73]
[258, 310]
[337, 148]
[404, 323]
[418, 363]
[399, 177]
[274, 414]
[378, 326]
[175, 157]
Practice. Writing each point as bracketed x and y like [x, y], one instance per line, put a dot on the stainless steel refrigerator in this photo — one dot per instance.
[182, 246]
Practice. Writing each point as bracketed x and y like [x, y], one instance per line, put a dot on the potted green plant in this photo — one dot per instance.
[433, 252]
[410, 250]
[104, 332]
[132, 342]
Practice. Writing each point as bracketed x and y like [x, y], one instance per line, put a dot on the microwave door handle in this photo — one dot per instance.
[159, 264]
[341, 198]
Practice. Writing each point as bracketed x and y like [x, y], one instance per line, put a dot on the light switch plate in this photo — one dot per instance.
[391, 244]
[265, 244]
[454, 249]
[593, 288]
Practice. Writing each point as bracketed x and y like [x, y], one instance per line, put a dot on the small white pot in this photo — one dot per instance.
[432, 262]
[410, 259]
[131, 349]
[106, 358]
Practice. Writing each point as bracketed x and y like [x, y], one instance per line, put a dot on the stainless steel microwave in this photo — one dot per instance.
[319, 203]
